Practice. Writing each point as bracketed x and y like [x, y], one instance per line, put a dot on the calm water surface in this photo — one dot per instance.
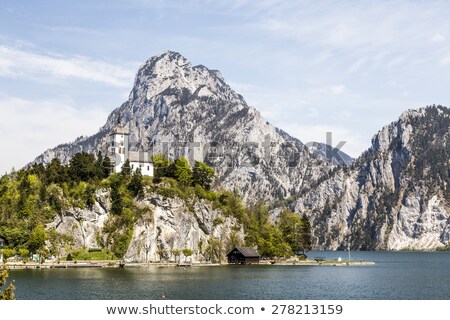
[400, 275]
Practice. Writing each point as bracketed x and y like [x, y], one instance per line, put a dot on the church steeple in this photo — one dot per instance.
[118, 146]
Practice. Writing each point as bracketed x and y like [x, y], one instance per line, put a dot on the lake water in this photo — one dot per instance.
[399, 275]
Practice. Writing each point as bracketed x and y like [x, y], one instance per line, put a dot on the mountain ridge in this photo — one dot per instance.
[395, 196]
[173, 103]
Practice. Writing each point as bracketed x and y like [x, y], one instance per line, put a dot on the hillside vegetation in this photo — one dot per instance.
[31, 198]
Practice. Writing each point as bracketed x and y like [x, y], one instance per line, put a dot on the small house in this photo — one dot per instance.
[243, 255]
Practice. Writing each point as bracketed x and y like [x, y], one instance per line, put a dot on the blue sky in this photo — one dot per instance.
[349, 67]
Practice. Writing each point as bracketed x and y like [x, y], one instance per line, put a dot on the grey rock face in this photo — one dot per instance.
[167, 224]
[183, 110]
[395, 196]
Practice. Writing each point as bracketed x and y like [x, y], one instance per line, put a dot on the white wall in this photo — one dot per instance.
[146, 168]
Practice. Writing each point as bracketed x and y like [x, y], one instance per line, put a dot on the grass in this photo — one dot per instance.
[81, 255]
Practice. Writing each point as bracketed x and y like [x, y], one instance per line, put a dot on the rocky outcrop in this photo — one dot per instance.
[167, 224]
[395, 196]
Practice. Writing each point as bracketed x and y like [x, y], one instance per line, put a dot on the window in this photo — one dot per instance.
[132, 166]
[148, 168]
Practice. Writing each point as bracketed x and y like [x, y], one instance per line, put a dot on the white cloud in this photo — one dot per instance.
[28, 127]
[18, 62]
[338, 89]
[445, 60]
[438, 38]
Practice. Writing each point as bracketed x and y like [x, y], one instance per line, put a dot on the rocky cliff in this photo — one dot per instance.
[395, 196]
[166, 225]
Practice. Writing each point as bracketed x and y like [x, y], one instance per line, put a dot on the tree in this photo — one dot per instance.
[24, 253]
[176, 253]
[183, 172]
[161, 167]
[290, 226]
[202, 175]
[213, 251]
[106, 167]
[305, 231]
[126, 169]
[55, 172]
[99, 173]
[187, 253]
[55, 198]
[82, 167]
[8, 292]
[37, 239]
[136, 185]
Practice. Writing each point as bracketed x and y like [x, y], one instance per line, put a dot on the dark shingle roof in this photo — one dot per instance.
[248, 252]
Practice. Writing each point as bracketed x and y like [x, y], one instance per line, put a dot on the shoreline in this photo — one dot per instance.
[118, 264]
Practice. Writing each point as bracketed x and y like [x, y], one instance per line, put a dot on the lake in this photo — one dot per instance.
[396, 276]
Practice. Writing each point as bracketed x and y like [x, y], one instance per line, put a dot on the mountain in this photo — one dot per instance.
[395, 196]
[337, 157]
[178, 109]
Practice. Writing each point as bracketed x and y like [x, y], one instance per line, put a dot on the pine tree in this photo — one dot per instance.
[306, 237]
[126, 169]
[136, 185]
[202, 175]
[106, 167]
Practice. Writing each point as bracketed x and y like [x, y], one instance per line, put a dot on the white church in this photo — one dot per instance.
[119, 153]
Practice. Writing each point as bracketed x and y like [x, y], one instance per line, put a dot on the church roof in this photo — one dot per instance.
[139, 156]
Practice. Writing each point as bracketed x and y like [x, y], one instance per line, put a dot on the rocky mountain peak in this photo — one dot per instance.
[173, 104]
[172, 75]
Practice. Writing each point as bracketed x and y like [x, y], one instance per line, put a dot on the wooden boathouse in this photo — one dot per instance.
[243, 255]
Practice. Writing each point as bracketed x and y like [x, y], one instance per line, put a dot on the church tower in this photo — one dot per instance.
[118, 147]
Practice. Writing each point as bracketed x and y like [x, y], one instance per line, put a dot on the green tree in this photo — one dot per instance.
[8, 292]
[117, 202]
[202, 175]
[98, 166]
[106, 167]
[187, 253]
[37, 239]
[183, 172]
[136, 185]
[290, 226]
[176, 253]
[55, 198]
[161, 167]
[8, 253]
[213, 251]
[82, 167]
[55, 172]
[24, 253]
[126, 169]
[305, 231]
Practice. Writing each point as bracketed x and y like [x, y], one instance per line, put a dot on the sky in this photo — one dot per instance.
[310, 67]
